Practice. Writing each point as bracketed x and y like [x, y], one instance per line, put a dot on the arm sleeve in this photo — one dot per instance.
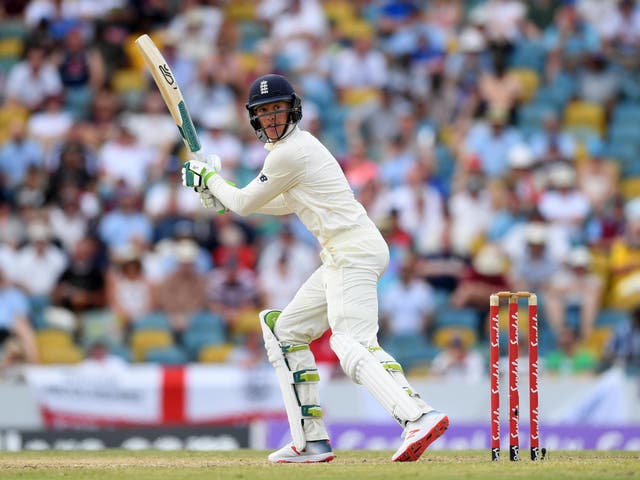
[277, 206]
[281, 171]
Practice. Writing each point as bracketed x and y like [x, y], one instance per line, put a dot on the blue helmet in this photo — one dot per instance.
[272, 88]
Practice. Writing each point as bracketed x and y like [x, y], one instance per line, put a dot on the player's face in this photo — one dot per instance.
[273, 118]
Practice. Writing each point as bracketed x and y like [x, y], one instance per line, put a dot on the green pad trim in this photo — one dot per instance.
[271, 317]
[309, 375]
[188, 129]
[311, 411]
[392, 366]
[294, 348]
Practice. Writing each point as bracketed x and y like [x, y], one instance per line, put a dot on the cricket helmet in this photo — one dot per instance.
[272, 88]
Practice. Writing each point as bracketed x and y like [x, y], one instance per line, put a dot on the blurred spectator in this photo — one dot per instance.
[12, 229]
[68, 223]
[82, 71]
[129, 292]
[407, 305]
[622, 34]
[598, 177]
[458, 362]
[486, 275]
[624, 261]
[563, 203]
[72, 160]
[182, 293]
[126, 224]
[471, 211]
[500, 90]
[569, 358]
[17, 154]
[440, 265]
[232, 293]
[80, 288]
[552, 144]
[99, 357]
[279, 283]
[359, 72]
[14, 319]
[50, 123]
[490, 141]
[219, 138]
[33, 79]
[358, 167]
[292, 30]
[195, 28]
[532, 271]
[502, 20]
[152, 126]
[624, 346]
[301, 259]
[599, 82]
[420, 207]
[525, 183]
[124, 160]
[39, 263]
[573, 295]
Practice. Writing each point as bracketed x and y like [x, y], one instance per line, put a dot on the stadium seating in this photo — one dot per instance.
[582, 116]
[171, 355]
[142, 341]
[56, 346]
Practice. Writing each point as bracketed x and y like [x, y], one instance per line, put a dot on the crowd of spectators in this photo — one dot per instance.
[494, 143]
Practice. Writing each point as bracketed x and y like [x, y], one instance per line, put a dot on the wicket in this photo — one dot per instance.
[514, 396]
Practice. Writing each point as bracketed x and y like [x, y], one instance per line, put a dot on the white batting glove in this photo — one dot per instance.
[196, 172]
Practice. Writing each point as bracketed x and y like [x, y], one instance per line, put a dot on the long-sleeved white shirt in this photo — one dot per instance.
[299, 176]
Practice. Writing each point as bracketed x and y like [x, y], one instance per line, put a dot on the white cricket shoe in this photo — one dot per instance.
[315, 452]
[418, 435]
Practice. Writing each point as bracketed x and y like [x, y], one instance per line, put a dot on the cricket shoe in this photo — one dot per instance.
[316, 451]
[418, 435]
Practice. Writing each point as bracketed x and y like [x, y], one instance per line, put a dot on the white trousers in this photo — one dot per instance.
[342, 295]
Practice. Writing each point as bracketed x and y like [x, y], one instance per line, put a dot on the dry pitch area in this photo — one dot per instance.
[251, 464]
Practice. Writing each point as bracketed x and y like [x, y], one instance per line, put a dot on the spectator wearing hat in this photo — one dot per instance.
[563, 203]
[573, 295]
[531, 271]
[486, 275]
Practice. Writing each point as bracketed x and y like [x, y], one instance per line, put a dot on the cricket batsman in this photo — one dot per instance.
[301, 176]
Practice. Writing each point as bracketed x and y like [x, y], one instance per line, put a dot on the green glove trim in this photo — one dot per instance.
[208, 176]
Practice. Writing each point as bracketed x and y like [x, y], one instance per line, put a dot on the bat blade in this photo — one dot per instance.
[171, 94]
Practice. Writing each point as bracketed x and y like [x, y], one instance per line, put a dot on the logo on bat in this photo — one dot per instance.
[166, 73]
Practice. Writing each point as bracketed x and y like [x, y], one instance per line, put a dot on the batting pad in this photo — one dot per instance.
[364, 368]
[298, 379]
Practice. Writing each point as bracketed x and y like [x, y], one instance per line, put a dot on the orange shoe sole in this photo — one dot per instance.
[417, 448]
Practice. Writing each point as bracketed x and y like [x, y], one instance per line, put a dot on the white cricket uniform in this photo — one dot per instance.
[301, 176]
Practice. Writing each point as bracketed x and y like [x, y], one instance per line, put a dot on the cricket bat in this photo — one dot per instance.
[166, 82]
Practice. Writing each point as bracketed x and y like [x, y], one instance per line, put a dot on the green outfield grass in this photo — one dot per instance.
[251, 464]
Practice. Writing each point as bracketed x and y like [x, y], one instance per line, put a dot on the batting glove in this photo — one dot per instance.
[208, 200]
[196, 173]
